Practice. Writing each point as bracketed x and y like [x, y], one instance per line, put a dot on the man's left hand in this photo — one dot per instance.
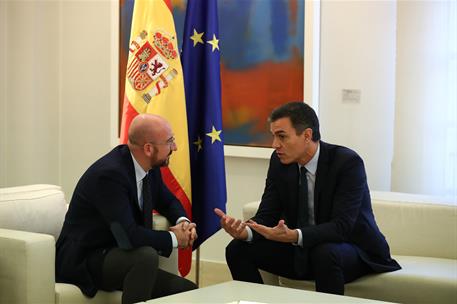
[191, 231]
[278, 233]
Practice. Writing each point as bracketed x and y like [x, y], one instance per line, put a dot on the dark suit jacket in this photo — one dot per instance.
[342, 205]
[104, 213]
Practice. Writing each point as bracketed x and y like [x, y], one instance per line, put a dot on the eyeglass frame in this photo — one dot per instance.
[171, 141]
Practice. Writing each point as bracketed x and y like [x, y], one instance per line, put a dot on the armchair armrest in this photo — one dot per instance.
[27, 263]
[169, 264]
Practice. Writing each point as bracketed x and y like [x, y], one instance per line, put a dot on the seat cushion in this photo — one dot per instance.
[69, 294]
[421, 280]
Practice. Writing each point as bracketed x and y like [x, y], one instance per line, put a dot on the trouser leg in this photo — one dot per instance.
[331, 265]
[334, 264]
[136, 273]
[132, 271]
[245, 259]
[168, 284]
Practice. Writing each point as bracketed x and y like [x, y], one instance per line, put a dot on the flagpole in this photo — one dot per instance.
[197, 268]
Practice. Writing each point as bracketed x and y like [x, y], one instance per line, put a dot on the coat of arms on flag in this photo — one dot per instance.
[149, 64]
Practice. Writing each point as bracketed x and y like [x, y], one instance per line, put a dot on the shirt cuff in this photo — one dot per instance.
[300, 239]
[249, 231]
[174, 240]
[182, 218]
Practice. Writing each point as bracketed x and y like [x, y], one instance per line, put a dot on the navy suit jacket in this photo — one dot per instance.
[342, 205]
[104, 213]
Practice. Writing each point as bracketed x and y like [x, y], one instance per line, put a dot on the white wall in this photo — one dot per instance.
[85, 46]
[55, 90]
[30, 96]
[358, 52]
[425, 118]
[3, 86]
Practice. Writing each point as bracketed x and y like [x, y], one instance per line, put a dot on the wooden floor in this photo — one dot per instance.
[210, 273]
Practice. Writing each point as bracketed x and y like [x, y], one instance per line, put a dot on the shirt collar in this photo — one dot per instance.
[139, 172]
[311, 166]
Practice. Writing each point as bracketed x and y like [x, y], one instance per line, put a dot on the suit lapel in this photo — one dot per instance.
[130, 169]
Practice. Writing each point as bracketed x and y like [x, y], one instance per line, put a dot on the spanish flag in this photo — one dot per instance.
[154, 84]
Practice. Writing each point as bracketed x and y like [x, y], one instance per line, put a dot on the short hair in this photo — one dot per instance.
[301, 115]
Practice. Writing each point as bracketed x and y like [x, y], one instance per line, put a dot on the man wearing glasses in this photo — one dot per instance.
[107, 241]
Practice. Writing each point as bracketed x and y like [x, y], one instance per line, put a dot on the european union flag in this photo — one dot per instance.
[202, 81]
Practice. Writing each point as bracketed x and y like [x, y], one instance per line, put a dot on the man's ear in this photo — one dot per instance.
[147, 149]
[308, 134]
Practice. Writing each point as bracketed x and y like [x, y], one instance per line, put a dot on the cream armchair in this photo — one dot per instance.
[31, 218]
[422, 235]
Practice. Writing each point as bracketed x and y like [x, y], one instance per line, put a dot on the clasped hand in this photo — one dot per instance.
[186, 233]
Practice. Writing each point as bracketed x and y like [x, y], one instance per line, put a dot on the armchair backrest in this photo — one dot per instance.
[33, 208]
[417, 225]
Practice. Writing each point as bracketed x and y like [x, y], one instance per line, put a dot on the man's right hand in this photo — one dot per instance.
[182, 235]
[236, 228]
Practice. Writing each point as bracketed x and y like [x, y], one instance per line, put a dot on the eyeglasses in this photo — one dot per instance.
[170, 142]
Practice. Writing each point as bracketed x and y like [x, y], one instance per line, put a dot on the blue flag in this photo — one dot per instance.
[202, 81]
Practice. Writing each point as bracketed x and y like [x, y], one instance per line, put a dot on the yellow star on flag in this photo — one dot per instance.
[197, 37]
[214, 42]
[214, 134]
[199, 144]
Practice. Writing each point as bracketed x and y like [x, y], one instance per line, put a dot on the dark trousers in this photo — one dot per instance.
[136, 272]
[331, 265]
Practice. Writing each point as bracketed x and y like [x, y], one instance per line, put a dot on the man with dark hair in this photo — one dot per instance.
[107, 241]
[315, 219]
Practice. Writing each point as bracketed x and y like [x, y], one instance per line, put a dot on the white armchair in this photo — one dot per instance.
[422, 235]
[31, 218]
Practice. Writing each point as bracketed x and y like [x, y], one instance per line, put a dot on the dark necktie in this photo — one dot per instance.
[300, 254]
[303, 216]
[147, 202]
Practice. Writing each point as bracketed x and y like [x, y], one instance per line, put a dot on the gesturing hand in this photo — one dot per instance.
[236, 228]
[279, 233]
